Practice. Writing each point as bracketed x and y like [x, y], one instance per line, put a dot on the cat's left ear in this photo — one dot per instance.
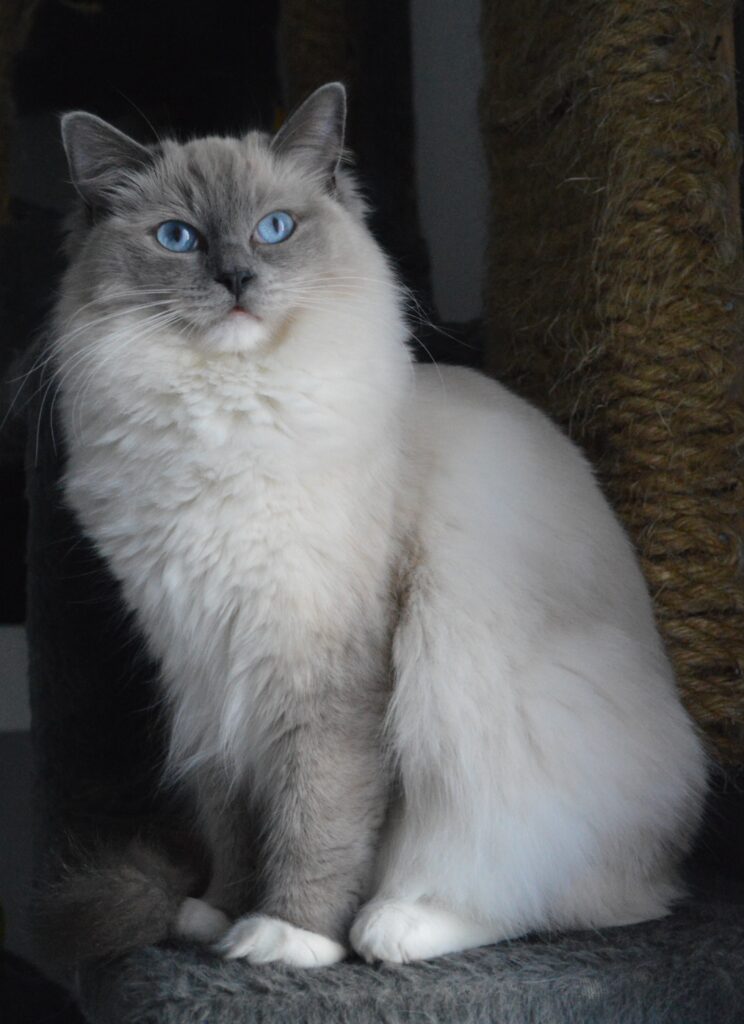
[314, 133]
[100, 157]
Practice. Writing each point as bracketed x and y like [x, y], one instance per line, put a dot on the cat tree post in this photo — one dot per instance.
[614, 289]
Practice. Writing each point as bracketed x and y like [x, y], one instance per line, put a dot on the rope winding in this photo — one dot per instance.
[615, 290]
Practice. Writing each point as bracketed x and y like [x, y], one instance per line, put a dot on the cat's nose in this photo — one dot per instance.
[234, 280]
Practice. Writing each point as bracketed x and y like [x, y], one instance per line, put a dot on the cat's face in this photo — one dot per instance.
[223, 239]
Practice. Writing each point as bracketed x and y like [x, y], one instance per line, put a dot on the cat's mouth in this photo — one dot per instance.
[240, 311]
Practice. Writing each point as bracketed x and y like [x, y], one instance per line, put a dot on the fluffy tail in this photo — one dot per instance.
[115, 902]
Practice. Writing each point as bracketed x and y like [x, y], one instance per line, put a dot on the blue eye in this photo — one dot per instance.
[275, 227]
[176, 236]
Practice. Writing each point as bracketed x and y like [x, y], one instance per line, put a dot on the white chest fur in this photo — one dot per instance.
[249, 517]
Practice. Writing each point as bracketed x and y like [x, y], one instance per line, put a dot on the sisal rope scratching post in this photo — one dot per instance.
[314, 44]
[614, 290]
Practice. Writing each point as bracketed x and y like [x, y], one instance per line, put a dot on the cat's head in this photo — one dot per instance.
[221, 238]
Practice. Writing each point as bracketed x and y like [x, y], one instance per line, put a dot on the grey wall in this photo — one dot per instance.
[451, 174]
[16, 784]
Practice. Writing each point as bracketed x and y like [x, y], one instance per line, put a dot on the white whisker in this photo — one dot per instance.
[61, 372]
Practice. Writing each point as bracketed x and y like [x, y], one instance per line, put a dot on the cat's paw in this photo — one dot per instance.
[200, 921]
[399, 931]
[262, 940]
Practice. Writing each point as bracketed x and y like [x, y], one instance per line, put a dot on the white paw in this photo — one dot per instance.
[200, 921]
[262, 940]
[400, 931]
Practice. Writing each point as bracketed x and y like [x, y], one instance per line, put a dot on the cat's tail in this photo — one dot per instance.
[111, 902]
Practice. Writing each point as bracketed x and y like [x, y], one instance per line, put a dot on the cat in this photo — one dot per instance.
[414, 682]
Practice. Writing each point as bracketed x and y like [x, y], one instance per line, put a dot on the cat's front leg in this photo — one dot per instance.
[323, 792]
[263, 939]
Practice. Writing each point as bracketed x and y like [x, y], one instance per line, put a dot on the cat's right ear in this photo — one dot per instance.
[314, 132]
[100, 157]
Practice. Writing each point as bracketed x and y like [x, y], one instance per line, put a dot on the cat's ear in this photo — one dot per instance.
[314, 133]
[100, 157]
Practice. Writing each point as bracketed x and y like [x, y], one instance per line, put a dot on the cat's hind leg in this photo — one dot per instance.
[227, 829]
[546, 772]
[399, 931]
[200, 921]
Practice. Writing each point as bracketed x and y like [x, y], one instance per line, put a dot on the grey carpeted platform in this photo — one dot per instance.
[686, 969]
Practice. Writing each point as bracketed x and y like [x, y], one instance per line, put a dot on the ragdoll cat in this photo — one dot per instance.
[407, 650]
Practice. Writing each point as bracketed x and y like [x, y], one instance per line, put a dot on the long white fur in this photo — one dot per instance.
[548, 766]
[251, 491]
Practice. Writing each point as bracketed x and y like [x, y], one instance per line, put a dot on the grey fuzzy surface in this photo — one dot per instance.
[685, 969]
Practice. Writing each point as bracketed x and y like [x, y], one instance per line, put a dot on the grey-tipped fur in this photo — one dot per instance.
[99, 155]
[314, 133]
[115, 901]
